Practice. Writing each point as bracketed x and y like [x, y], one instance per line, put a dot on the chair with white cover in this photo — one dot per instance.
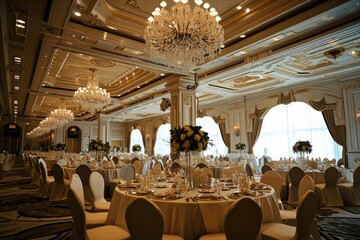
[146, 167]
[350, 192]
[62, 162]
[46, 181]
[250, 170]
[274, 179]
[155, 171]
[84, 172]
[115, 159]
[305, 216]
[328, 192]
[97, 187]
[295, 176]
[37, 172]
[149, 227]
[93, 219]
[60, 187]
[80, 231]
[236, 225]
[176, 167]
[129, 172]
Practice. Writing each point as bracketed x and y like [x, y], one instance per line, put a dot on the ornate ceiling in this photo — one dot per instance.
[286, 43]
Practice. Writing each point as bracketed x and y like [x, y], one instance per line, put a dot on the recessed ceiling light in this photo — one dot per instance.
[162, 74]
[15, 101]
[247, 10]
[77, 13]
[17, 88]
[242, 36]
[239, 7]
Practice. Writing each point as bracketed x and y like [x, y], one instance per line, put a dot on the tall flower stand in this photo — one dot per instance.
[301, 159]
[189, 178]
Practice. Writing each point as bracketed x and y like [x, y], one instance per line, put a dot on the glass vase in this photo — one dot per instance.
[189, 178]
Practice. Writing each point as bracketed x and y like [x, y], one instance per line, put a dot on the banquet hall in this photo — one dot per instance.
[180, 103]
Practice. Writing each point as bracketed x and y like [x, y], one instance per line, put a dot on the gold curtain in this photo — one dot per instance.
[257, 120]
[286, 99]
[225, 136]
[143, 138]
[154, 139]
[338, 133]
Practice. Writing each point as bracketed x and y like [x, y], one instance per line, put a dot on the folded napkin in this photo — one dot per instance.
[93, 164]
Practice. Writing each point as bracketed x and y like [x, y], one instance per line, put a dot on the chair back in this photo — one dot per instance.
[134, 159]
[77, 187]
[62, 162]
[43, 169]
[129, 173]
[115, 159]
[306, 184]
[265, 168]
[356, 177]
[200, 165]
[78, 214]
[331, 176]
[176, 167]
[208, 172]
[58, 173]
[250, 170]
[273, 179]
[137, 164]
[97, 186]
[295, 175]
[237, 226]
[84, 172]
[305, 215]
[144, 228]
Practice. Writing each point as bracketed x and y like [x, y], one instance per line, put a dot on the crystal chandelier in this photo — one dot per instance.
[92, 98]
[61, 116]
[48, 124]
[183, 38]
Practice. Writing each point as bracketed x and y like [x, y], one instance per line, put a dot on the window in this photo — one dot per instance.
[284, 125]
[162, 141]
[210, 126]
[136, 138]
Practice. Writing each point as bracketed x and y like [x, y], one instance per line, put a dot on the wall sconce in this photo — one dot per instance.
[237, 129]
[358, 113]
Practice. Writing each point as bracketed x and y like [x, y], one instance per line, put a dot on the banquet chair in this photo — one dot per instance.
[242, 221]
[250, 170]
[149, 227]
[129, 172]
[208, 172]
[37, 172]
[265, 168]
[340, 163]
[176, 167]
[62, 162]
[305, 216]
[97, 187]
[60, 187]
[84, 172]
[328, 192]
[80, 231]
[274, 179]
[137, 164]
[46, 181]
[295, 175]
[155, 171]
[93, 219]
[200, 165]
[350, 192]
[115, 159]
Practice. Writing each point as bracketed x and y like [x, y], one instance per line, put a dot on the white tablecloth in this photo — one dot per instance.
[190, 219]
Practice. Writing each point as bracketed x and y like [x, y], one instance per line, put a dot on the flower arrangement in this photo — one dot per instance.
[136, 148]
[189, 138]
[302, 146]
[98, 145]
[240, 146]
[60, 146]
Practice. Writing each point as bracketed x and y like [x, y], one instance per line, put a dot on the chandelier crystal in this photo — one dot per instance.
[183, 38]
[92, 98]
[62, 116]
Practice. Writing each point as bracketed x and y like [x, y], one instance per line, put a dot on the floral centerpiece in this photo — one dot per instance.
[59, 147]
[188, 139]
[136, 148]
[240, 146]
[302, 146]
[99, 146]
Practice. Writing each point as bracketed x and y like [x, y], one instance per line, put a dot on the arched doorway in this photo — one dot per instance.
[73, 139]
[12, 135]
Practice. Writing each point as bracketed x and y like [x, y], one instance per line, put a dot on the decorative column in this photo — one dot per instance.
[104, 127]
[183, 109]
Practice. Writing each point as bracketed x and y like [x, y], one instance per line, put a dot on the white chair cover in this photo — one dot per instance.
[97, 187]
[84, 172]
[45, 186]
[295, 176]
[273, 179]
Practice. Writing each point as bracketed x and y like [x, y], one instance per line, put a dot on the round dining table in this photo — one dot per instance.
[192, 214]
